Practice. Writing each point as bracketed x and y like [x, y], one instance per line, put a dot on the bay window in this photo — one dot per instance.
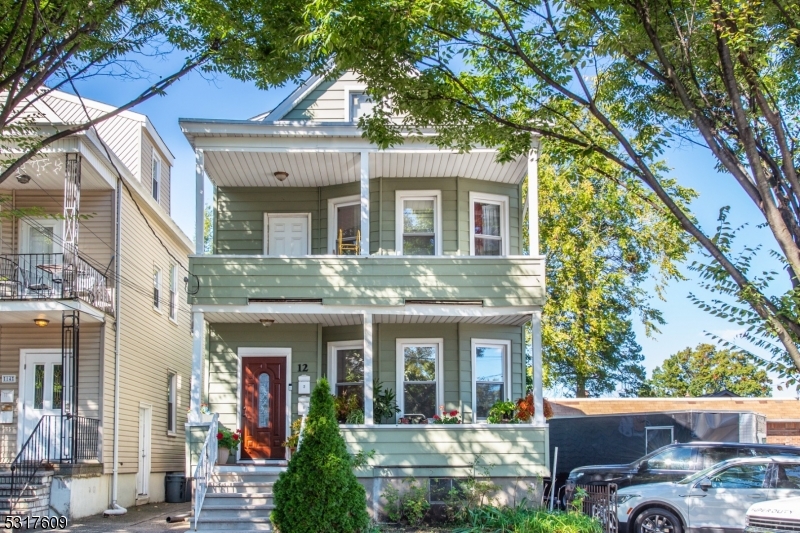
[418, 223]
[490, 374]
[419, 376]
[488, 224]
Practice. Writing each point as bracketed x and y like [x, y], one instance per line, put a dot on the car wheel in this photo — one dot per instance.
[657, 520]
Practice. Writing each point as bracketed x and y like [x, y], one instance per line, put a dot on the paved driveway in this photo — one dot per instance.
[151, 518]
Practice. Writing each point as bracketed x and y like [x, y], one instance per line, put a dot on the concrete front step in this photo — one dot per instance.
[252, 523]
[237, 498]
[237, 511]
[239, 488]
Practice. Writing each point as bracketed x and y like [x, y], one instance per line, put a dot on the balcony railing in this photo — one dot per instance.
[50, 276]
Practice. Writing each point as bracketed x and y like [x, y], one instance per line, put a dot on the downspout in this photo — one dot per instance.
[115, 508]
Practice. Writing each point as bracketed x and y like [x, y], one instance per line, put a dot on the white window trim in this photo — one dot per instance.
[348, 90]
[333, 347]
[264, 352]
[500, 200]
[475, 343]
[160, 285]
[26, 227]
[173, 296]
[400, 368]
[156, 159]
[268, 216]
[173, 381]
[400, 196]
[333, 230]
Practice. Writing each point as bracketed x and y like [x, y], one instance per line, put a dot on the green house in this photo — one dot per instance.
[401, 268]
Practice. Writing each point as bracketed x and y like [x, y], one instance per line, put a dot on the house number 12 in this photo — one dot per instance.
[303, 367]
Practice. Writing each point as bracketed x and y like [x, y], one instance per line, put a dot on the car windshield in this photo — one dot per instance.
[703, 473]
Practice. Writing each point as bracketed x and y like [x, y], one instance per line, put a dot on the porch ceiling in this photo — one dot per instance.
[47, 172]
[355, 319]
[24, 312]
[322, 168]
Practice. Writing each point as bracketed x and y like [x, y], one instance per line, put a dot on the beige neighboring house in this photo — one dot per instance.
[95, 336]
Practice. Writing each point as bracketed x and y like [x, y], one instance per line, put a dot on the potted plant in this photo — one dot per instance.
[227, 442]
[503, 413]
[447, 417]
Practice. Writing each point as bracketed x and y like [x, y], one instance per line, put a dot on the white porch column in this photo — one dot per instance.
[532, 199]
[536, 361]
[364, 244]
[200, 200]
[369, 417]
[198, 350]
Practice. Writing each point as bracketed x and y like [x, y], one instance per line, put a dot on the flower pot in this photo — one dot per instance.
[222, 456]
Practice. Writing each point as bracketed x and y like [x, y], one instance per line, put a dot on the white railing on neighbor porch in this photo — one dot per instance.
[205, 467]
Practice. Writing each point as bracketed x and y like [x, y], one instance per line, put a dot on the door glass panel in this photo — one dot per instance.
[740, 477]
[58, 387]
[38, 387]
[672, 459]
[263, 400]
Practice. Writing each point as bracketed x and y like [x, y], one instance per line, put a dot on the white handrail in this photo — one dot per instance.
[205, 467]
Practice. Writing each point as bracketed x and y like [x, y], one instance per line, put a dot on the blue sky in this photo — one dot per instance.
[203, 96]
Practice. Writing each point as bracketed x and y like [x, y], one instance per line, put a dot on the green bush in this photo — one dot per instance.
[319, 493]
[412, 505]
[523, 519]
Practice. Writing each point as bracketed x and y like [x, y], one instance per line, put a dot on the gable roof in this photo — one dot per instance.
[291, 101]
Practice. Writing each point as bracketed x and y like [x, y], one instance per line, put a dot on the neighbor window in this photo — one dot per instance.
[360, 104]
[489, 231]
[173, 293]
[156, 174]
[490, 359]
[346, 370]
[344, 221]
[172, 396]
[419, 376]
[418, 223]
[157, 288]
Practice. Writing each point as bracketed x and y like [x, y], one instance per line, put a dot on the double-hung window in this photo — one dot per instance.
[489, 224]
[157, 288]
[344, 223]
[156, 175]
[419, 376]
[173, 293]
[346, 370]
[418, 222]
[172, 398]
[490, 364]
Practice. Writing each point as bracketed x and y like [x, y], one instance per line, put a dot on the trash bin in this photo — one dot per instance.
[176, 487]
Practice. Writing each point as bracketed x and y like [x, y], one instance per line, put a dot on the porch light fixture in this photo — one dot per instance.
[267, 322]
[281, 175]
[41, 322]
[23, 178]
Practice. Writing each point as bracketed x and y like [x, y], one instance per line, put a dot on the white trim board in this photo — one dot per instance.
[506, 344]
[400, 364]
[496, 199]
[400, 196]
[264, 352]
[412, 309]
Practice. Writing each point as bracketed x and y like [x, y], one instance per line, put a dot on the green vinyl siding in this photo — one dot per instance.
[240, 213]
[388, 280]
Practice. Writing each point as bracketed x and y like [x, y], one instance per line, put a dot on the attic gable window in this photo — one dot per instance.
[358, 104]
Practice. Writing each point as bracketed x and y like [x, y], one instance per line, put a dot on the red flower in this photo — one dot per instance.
[453, 413]
[436, 417]
[219, 436]
[235, 436]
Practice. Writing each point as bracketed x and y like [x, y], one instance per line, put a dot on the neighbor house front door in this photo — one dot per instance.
[263, 407]
[42, 395]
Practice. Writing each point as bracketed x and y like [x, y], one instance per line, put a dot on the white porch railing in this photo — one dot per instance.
[205, 467]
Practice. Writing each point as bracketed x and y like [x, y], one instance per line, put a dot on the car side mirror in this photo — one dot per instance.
[704, 484]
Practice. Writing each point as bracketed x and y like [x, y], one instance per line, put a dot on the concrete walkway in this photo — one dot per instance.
[150, 518]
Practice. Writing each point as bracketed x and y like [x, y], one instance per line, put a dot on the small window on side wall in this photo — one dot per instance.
[157, 288]
[156, 176]
[490, 370]
[489, 224]
[172, 405]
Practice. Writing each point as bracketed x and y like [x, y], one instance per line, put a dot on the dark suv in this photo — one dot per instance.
[671, 463]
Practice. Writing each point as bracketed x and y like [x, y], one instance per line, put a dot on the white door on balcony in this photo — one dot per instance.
[287, 234]
[41, 393]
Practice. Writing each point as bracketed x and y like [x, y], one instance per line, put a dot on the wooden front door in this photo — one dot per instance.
[263, 407]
